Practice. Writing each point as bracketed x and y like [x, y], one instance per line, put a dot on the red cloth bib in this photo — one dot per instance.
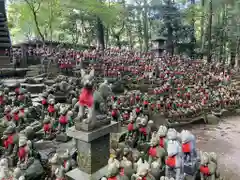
[44, 102]
[47, 127]
[186, 148]
[15, 116]
[86, 98]
[22, 153]
[137, 110]
[171, 161]
[152, 151]
[114, 113]
[122, 171]
[161, 142]
[143, 130]
[204, 170]
[64, 163]
[63, 119]
[17, 90]
[113, 178]
[10, 139]
[1, 100]
[126, 116]
[5, 143]
[145, 102]
[130, 127]
[51, 108]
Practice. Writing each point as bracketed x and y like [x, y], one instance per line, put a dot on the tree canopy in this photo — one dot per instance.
[200, 28]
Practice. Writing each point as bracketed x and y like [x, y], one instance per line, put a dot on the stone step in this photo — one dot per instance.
[4, 39]
[3, 33]
[5, 45]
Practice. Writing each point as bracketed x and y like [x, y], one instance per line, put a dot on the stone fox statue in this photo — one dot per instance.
[86, 99]
[95, 101]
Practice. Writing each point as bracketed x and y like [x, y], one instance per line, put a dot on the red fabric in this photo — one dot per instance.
[126, 116]
[21, 97]
[113, 178]
[15, 116]
[51, 108]
[204, 170]
[44, 102]
[64, 163]
[137, 98]
[171, 161]
[137, 110]
[1, 100]
[130, 127]
[152, 151]
[114, 113]
[144, 178]
[186, 148]
[161, 142]
[5, 143]
[22, 153]
[86, 98]
[63, 119]
[46, 127]
[22, 110]
[10, 139]
[145, 102]
[122, 171]
[143, 130]
[17, 90]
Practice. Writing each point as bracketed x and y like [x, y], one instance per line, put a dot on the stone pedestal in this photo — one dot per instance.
[93, 152]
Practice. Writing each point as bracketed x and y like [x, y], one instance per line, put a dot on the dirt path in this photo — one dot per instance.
[224, 139]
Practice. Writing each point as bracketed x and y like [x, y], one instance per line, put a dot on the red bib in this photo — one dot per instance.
[122, 171]
[63, 119]
[114, 113]
[1, 100]
[10, 139]
[51, 108]
[161, 142]
[47, 127]
[86, 98]
[5, 143]
[44, 102]
[130, 127]
[137, 110]
[205, 170]
[21, 153]
[186, 148]
[152, 151]
[15, 116]
[143, 130]
[171, 161]
[112, 178]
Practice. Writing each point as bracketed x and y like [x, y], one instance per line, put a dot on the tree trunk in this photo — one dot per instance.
[145, 26]
[209, 53]
[100, 33]
[193, 38]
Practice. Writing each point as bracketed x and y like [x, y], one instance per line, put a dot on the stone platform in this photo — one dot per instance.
[93, 152]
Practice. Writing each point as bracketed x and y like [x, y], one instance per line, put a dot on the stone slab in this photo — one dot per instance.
[92, 135]
[77, 174]
[81, 126]
[62, 137]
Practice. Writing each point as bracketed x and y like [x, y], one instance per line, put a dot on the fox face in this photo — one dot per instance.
[87, 79]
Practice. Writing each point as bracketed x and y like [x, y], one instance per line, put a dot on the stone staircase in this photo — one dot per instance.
[5, 42]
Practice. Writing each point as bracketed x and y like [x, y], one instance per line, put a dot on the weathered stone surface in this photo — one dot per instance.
[34, 88]
[212, 119]
[93, 156]
[225, 113]
[62, 137]
[89, 127]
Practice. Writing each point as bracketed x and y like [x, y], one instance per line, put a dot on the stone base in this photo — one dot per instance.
[75, 174]
[62, 137]
[82, 126]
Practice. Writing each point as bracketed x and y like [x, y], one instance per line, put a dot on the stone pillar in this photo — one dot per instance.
[93, 152]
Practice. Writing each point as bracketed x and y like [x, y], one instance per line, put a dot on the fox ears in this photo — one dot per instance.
[91, 74]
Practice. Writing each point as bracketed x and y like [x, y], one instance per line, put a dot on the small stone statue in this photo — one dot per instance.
[47, 128]
[63, 121]
[4, 169]
[143, 172]
[55, 163]
[18, 174]
[24, 153]
[12, 141]
[162, 133]
[51, 108]
[67, 164]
